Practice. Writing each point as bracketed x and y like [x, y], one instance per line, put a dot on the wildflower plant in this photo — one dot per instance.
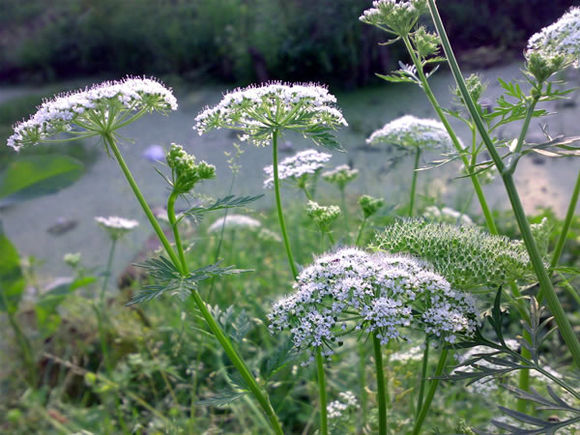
[262, 113]
[101, 111]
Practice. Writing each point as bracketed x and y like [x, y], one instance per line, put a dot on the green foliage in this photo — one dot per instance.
[12, 281]
[466, 256]
[32, 176]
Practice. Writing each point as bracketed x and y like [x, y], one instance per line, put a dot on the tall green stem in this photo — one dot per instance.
[182, 267]
[536, 259]
[456, 143]
[174, 226]
[381, 390]
[423, 375]
[360, 231]
[279, 205]
[344, 211]
[321, 392]
[431, 393]
[567, 222]
[414, 181]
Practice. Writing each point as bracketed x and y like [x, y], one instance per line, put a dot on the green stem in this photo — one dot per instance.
[567, 222]
[307, 193]
[174, 226]
[381, 390]
[454, 139]
[522, 136]
[344, 211]
[360, 231]
[330, 237]
[537, 263]
[362, 380]
[110, 141]
[414, 181]
[431, 393]
[321, 392]
[279, 205]
[423, 375]
[25, 349]
[107, 274]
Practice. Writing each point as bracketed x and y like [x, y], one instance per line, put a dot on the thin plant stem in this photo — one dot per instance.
[535, 258]
[360, 231]
[381, 390]
[567, 222]
[362, 380]
[321, 392]
[213, 325]
[423, 375]
[110, 141]
[174, 226]
[414, 181]
[489, 221]
[307, 193]
[330, 238]
[107, 273]
[431, 393]
[344, 210]
[279, 205]
[25, 349]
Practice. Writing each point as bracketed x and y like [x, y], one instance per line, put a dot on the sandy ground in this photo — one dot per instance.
[103, 191]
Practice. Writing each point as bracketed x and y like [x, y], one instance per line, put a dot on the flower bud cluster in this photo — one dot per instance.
[93, 110]
[257, 111]
[446, 215]
[426, 43]
[353, 291]
[465, 255]
[341, 175]
[409, 131]
[397, 16]
[297, 167]
[116, 226]
[185, 171]
[370, 205]
[555, 46]
[323, 216]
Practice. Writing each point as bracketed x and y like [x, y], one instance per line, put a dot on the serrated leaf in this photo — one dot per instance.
[222, 400]
[229, 201]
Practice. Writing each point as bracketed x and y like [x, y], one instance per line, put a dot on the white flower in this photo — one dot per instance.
[351, 290]
[93, 110]
[561, 38]
[234, 221]
[409, 131]
[116, 226]
[341, 175]
[337, 408]
[446, 215]
[259, 110]
[398, 16]
[303, 163]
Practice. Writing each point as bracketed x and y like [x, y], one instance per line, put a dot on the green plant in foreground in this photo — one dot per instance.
[101, 111]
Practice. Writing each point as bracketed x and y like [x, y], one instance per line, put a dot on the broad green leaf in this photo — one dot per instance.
[32, 176]
[11, 279]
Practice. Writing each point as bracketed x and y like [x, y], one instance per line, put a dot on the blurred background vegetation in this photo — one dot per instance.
[238, 41]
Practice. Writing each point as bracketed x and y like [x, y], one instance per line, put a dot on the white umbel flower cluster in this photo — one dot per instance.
[304, 163]
[561, 38]
[352, 290]
[409, 131]
[234, 221]
[88, 112]
[397, 16]
[258, 110]
[116, 226]
[338, 408]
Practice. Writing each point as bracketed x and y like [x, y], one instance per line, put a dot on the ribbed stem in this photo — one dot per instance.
[414, 181]
[537, 263]
[279, 205]
[321, 392]
[431, 393]
[567, 222]
[381, 390]
[423, 375]
[174, 226]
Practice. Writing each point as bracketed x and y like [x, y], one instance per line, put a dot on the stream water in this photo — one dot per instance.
[102, 191]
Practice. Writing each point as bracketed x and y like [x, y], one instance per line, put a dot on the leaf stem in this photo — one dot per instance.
[381, 390]
[537, 263]
[279, 205]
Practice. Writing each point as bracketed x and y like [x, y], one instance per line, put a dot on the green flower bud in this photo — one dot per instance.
[427, 44]
[323, 216]
[341, 175]
[541, 65]
[370, 205]
[185, 171]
